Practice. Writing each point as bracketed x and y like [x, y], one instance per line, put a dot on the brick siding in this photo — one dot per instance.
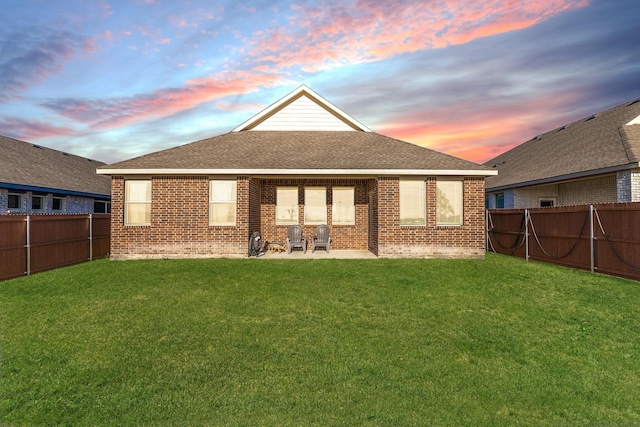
[430, 240]
[180, 220]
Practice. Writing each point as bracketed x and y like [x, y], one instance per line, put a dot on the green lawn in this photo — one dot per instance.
[253, 342]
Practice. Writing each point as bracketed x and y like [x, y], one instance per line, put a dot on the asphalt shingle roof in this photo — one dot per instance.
[593, 143]
[353, 150]
[24, 163]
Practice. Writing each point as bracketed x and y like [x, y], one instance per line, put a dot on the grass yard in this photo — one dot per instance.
[319, 342]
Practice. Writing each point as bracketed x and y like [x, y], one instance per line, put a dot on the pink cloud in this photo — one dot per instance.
[117, 112]
[153, 34]
[28, 130]
[481, 135]
[334, 34]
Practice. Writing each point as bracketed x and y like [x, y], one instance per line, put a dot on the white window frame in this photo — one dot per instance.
[141, 201]
[42, 202]
[336, 207]
[219, 200]
[291, 211]
[553, 200]
[310, 193]
[20, 197]
[457, 204]
[411, 190]
[107, 206]
[62, 203]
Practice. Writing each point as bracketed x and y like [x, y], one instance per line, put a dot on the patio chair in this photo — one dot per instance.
[322, 238]
[295, 239]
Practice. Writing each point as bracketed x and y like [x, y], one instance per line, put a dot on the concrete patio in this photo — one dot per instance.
[319, 254]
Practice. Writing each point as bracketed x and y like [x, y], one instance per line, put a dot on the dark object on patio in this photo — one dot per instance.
[255, 244]
[321, 239]
[295, 239]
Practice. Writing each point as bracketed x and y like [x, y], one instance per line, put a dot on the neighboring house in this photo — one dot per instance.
[35, 179]
[593, 160]
[300, 161]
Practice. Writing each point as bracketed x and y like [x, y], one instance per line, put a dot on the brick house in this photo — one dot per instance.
[36, 179]
[300, 161]
[593, 160]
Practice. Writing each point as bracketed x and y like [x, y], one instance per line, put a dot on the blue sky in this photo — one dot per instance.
[115, 79]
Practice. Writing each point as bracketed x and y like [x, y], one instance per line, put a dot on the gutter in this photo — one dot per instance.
[38, 189]
[301, 172]
[571, 176]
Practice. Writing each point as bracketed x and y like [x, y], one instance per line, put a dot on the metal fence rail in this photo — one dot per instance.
[34, 243]
[603, 238]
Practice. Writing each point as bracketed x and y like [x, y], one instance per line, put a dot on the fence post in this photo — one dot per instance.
[28, 246]
[486, 228]
[591, 238]
[526, 233]
[90, 237]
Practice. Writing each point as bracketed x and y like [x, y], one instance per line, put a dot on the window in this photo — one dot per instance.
[137, 202]
[14, 201]
[547, 203]
[37, 203]
[500, 201]
[449, 202]
[413, 203]
[57, 204]
[100, 206]
[222, 202]
[343, 210]
[315, 205]
[286, 205]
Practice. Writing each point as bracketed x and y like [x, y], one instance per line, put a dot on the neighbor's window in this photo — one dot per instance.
[343, 210]
[286, 205]
[37, 203]
[449, 202]
[547, 203]
[58, 204]
[100, 206]
[222, 202]
[413, 202]
[500, 201]
[137, 202]
[14, 201]
[315, 205]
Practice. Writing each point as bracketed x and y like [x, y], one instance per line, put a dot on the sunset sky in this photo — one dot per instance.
[115, 79]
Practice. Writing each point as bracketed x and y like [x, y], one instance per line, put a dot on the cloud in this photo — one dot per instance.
[31, 56]
[28, 130]
[334, 34]
[117, 112]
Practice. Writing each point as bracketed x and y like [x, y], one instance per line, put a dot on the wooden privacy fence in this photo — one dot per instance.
[34, 243]
[600, 238]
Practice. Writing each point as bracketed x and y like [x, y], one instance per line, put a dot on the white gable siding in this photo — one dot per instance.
[303, 114]
[635, 121]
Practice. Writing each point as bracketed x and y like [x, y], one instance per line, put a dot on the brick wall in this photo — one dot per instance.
[342, 236]
[430, 240]
[179, 222]
[628, 185]
[599, 189]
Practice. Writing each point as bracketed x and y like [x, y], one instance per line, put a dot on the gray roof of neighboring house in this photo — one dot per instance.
[298, 150]
[593, 145]
[28, 166]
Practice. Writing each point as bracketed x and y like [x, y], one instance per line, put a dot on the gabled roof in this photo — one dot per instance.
[308, 111]
[299, 145]
[601, 143]
[26, 166]
[298, 153]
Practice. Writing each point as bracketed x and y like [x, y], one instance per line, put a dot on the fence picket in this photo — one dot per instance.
[615, 251]
[50, 241]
